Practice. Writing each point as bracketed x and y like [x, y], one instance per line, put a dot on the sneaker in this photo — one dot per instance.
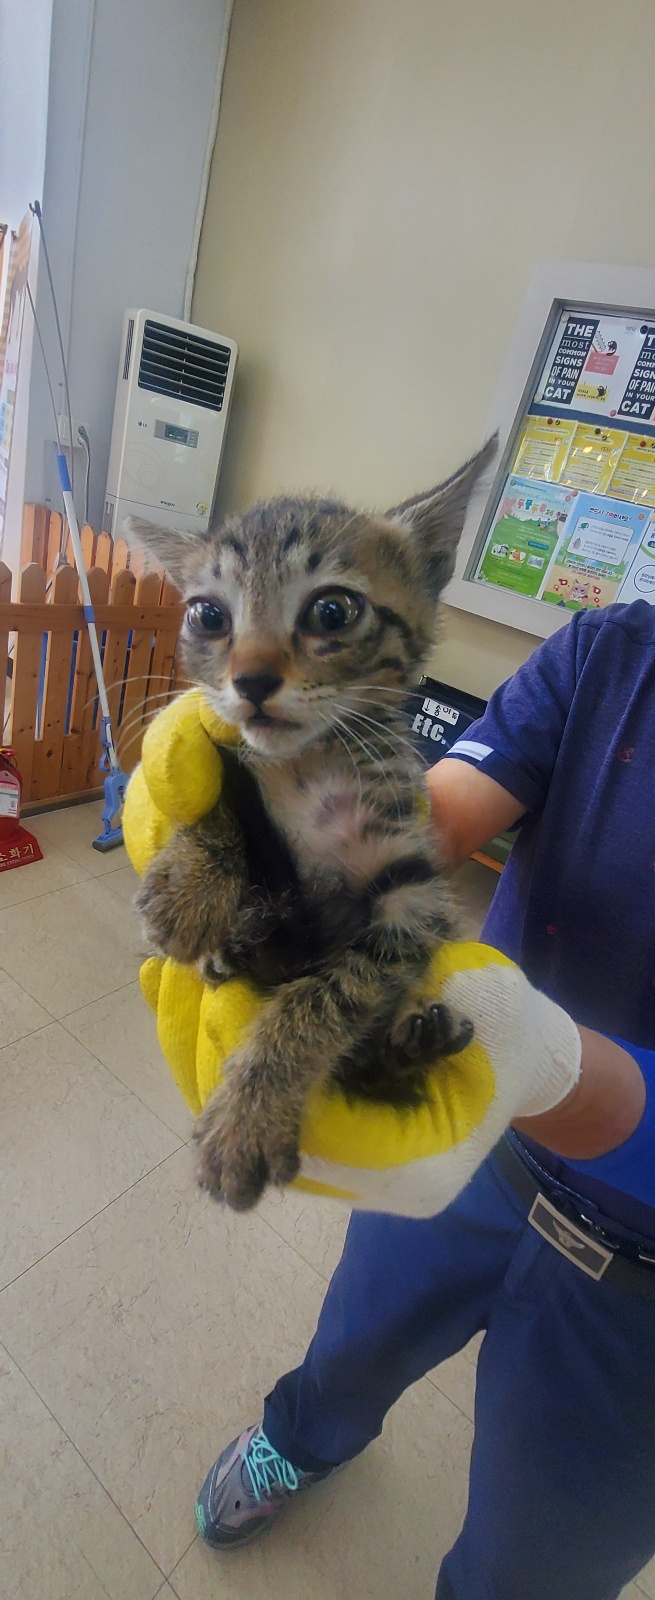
[245, 1489]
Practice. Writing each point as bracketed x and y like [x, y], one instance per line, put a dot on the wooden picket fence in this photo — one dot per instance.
[51, 710]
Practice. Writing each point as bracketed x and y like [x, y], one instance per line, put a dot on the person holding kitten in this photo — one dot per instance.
[549, 1248]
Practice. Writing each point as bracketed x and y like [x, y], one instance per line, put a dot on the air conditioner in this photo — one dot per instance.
[172, 405]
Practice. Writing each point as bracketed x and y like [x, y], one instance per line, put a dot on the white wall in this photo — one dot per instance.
[24, 71]
[385, 177]
[132, 87]
[24, 58]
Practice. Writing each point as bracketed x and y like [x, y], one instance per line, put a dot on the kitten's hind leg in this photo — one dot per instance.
[192, 891]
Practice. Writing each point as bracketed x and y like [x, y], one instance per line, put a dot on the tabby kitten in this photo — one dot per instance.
[306, 624]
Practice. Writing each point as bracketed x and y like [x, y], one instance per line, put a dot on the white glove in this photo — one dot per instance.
[524, 1059]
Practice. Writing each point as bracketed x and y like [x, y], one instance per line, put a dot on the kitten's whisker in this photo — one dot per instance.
[335, 726]
[139, 718]
[353, 733]
[375, 760]
[140, 713]
[393, 721]
[393, 738]
[395, 744]
[139, 677]
[384, 688]
[391, 743]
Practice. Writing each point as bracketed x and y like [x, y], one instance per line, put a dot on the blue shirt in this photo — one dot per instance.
[572, 737]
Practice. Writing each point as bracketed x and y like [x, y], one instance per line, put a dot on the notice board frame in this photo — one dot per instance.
[555, 285]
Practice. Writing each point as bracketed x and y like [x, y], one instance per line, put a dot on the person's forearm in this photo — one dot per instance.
[467, 808]
[603, 1109]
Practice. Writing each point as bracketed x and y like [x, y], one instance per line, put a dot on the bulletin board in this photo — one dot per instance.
[568, 523]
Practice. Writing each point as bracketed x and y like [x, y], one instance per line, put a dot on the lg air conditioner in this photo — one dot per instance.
[172, 405]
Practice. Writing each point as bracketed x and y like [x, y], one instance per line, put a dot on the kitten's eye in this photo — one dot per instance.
[206, 616]
[332, 611]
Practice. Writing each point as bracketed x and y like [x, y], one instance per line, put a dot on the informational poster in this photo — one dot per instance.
[639, 398]
[640, 582]
[634, 475]
[596, 552]
[543, 447]
[570, 356]
[525, 535]
[602, 365]
[593, 457]
[574, 525]
[10, 342]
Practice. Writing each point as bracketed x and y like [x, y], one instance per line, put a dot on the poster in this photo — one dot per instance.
[639, 396]
[593, 457]
[574, 343]
[10, 342]
[525, 534]
[639, 583]
[599, 545]
[634, 476]
[543, 447]
[574, 523]
[603, 365]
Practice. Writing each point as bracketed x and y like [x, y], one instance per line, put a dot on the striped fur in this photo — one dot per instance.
[317, 875]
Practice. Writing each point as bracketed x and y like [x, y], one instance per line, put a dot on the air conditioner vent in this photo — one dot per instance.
[128, 349]
[183, 365]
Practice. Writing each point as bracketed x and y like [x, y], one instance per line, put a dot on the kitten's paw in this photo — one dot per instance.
[240, 1150]
[230, 1167]
[421, 1033]
[213, 971]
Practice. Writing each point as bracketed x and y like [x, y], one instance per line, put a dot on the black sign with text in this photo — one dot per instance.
[440, 715]
[570, 357]
[639, 397]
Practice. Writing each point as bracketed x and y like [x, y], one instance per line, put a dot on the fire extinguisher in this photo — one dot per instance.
[17, 846]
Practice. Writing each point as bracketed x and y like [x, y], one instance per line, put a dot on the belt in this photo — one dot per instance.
[585, 1244]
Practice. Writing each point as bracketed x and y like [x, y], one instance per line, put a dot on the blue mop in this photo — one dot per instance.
[115, 781]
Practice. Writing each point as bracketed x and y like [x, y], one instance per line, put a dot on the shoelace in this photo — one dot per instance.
[266, 1467]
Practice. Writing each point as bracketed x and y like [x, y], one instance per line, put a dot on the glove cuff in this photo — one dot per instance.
[559, 1056]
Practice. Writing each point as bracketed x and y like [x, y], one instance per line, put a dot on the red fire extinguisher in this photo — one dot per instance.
[17, 846]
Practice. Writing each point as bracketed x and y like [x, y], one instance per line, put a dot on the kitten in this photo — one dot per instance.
[306, 625]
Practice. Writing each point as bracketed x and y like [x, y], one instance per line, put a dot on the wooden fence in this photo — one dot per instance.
[51, 710]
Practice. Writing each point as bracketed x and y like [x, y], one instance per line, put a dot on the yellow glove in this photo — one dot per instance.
[524, 1058]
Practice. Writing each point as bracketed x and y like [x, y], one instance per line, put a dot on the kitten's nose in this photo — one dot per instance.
[256, 686]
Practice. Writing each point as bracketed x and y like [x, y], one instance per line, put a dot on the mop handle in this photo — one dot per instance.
[87, 604]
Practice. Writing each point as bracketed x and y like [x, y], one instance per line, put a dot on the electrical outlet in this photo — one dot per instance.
[62, 419]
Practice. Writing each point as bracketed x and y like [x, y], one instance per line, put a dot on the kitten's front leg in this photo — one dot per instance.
[249, 1132]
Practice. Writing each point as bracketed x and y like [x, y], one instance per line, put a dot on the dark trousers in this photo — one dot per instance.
[562, 1485]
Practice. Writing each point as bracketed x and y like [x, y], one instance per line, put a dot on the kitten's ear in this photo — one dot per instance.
[437, 517]
[170, 550]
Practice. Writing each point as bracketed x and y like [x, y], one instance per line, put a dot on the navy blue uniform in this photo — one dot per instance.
[562, 1488]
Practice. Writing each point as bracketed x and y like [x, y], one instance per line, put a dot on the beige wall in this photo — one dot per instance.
[385, 176]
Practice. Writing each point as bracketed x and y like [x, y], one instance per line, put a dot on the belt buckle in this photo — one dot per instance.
[571, 1242]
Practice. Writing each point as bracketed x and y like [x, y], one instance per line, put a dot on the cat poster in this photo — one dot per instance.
[543, 447]
[10, 343]
[634, 476]
[596, 554]
[525, 534]
[603, 365]
[593, 457]
[639, 583]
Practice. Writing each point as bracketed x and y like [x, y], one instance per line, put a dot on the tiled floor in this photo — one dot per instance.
[139, 1326]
